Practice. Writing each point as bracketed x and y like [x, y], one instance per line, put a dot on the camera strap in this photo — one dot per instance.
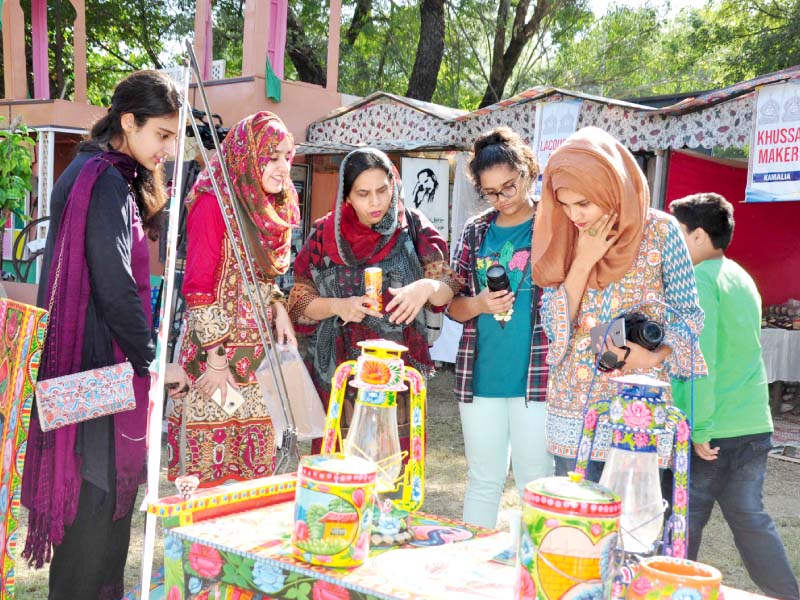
[609, 362]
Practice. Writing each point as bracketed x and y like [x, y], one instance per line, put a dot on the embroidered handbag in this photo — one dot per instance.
[86, 395]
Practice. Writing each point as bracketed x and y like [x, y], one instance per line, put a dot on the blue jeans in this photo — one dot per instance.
[565, 464]
[736, 481]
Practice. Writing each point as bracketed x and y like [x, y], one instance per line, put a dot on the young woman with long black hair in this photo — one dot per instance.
[80, 481]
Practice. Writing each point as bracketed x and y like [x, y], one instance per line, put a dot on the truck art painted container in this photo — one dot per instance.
[333, 510]
[666, 577]
[569, 533]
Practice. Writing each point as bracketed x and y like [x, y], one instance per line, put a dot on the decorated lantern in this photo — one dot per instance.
[333, 510]
[569, 534]
[638, 415]
[379, 374]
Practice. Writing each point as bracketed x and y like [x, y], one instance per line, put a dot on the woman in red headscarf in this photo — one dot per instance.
[222, 348]
[369, 227]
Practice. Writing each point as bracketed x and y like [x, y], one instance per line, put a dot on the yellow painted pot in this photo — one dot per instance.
[569, 532]
[333, 510]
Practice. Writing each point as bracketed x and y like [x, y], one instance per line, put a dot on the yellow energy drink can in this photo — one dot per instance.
[373, 286]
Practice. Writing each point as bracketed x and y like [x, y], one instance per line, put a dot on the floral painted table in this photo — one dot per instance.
[245, 556]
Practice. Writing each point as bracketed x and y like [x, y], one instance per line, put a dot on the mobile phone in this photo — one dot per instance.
[616, 335]
[233, 399]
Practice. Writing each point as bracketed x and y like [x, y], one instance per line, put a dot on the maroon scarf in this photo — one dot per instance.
[52, 477]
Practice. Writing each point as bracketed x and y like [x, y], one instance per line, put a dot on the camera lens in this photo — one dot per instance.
[497, 279]
[652, 333]
[643, 331]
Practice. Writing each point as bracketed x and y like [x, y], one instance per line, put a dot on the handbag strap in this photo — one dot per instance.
[412, 227]
[56, 279]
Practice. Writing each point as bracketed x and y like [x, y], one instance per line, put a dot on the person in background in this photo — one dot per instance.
[80, 481]
[369, 227]
[731, 421]
[222, 347]
[501, 373]
[600, 250]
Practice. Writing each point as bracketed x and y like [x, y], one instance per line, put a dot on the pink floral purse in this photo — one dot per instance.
[85, 395]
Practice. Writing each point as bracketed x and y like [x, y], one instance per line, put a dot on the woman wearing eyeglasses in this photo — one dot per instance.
[501, 374]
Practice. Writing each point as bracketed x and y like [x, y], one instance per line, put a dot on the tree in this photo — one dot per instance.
[303, 53]
[753, 36]
[360, 19]
[522, 29]
[430, 51]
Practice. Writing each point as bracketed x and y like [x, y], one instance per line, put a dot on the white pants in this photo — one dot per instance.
[496, 429]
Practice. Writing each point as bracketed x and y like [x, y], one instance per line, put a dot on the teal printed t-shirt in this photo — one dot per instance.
[503, 349]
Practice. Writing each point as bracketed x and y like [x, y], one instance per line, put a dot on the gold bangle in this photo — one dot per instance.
[213, 368]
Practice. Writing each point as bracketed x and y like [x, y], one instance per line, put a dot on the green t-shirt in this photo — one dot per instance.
[503, 348]
[734, 399]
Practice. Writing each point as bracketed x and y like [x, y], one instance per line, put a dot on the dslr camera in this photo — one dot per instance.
[631, 327]
[204, 128]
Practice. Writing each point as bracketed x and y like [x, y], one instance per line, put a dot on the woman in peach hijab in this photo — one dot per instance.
[599, 250]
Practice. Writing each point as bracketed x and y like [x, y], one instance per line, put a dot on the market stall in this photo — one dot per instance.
[229, 548]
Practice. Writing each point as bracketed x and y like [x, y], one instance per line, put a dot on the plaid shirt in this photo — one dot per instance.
[464, 264]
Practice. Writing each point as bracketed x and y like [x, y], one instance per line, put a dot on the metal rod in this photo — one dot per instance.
[157, 391]
[289, 445]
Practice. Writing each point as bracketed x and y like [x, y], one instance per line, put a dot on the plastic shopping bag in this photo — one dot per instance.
[303, 399]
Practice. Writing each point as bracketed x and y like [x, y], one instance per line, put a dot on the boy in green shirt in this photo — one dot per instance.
[731, 424]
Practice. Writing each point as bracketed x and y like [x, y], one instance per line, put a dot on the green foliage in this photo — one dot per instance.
[645, 51]
[237, 570]
[382, 56]
[627, 52]
[16, 160]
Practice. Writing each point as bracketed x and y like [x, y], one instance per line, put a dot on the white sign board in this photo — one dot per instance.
[774, 166]
[426, 185]
[555, 122]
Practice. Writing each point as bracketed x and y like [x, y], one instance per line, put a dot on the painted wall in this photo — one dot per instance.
[300, 105]
[765, 240]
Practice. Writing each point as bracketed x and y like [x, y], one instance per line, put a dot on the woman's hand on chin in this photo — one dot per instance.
[595, 240]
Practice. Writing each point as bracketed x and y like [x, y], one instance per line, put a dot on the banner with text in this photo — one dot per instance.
[774, 166]
[555, 122]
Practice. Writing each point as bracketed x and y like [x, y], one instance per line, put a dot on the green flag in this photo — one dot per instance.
[273, 83]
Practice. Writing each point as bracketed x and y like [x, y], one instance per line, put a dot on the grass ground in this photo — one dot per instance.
[445, 485]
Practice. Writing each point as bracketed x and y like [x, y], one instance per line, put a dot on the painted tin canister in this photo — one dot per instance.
[666, 577]
[569, 532]
[333, 510]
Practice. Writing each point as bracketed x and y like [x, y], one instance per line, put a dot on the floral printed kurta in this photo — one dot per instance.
[220, 447]
[662, 272]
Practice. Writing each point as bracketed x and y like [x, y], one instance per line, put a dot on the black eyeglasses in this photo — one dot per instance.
[508, 191]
